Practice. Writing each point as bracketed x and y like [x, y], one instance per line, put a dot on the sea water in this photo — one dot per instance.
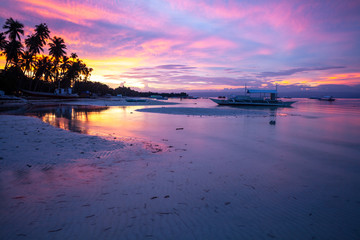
[236, 172]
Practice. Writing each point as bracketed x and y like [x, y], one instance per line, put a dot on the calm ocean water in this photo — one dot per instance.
[308, 119]
[240, 176]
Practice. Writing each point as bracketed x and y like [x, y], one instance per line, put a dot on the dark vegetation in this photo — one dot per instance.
[28, 68]
[103, 89]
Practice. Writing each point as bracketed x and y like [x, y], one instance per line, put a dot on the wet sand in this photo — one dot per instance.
[57, 184]
[181, 177]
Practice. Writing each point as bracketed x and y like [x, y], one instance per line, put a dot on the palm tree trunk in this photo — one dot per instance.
[6, 64]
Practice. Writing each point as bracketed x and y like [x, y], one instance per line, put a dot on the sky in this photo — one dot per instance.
[182, 45]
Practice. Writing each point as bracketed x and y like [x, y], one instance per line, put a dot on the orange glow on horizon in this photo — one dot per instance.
[110, 70]
[343, 78]
[2, 62]
[200, 45]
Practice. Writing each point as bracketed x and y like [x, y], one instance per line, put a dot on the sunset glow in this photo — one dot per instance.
[173, 45]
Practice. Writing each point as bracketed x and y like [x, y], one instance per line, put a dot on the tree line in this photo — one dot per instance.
[103, 89]
[27, 67]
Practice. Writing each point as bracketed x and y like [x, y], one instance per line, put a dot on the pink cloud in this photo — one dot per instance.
[213, 43]
[159, 46]
[274, 14]
[352, 78]
[79, 12]
[72, 11]
[259, 35]
[264, 51]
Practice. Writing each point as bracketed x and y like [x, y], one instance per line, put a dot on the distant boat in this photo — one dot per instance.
[327, 98]
[262, 98]
[158, 97]
[135, 100]
[59, 94]
[190, 97]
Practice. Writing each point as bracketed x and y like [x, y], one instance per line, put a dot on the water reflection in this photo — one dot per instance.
[92, 120]
[270, 111]
[126, 121]
[301, 166]
[65, 116]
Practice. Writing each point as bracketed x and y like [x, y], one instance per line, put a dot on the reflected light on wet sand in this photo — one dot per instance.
[94, 121]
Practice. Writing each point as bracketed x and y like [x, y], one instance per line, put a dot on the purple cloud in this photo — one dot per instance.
[295, 70]
[203, 43]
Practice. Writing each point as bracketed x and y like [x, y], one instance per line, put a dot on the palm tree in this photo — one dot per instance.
[33, 44]
[27, 65]
[27, 62]
[65, 64]
[57, 47]
[57, 50]
[73, 56]
[14, 29]
[36, 41]
[3, 41]
[78, 70]
[87, 73]
[12, 51]
[43, 69]
[42, 33]
[84, 70]
[72, 73]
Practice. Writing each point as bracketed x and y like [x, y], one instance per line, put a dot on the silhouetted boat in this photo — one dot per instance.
[190, 97]
[327, 98]
[57, 95]
[263, 98]
[135, 100]
[158, 97]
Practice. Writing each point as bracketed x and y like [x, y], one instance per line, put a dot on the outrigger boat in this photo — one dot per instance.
[58, 94]
[254, 97]
[327, 98]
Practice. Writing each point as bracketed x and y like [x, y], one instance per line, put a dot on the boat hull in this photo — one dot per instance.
[49, 95]
[135, 100]
[327, 99]
[252, 103]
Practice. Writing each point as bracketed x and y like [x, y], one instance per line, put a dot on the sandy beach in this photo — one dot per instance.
[40, 167]
[180, 173]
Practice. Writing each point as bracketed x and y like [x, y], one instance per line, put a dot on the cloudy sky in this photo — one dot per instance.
[204, 44]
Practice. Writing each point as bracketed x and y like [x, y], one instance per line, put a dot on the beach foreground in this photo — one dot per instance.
[52, 180]
[175, 176]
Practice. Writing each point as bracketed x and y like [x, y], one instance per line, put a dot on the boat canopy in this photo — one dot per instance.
[260, 91]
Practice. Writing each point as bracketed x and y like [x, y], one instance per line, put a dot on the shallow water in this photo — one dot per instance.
[227, 173]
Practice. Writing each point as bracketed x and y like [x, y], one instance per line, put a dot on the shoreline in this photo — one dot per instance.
[13, 105]
[47, 170]
[41, 143]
